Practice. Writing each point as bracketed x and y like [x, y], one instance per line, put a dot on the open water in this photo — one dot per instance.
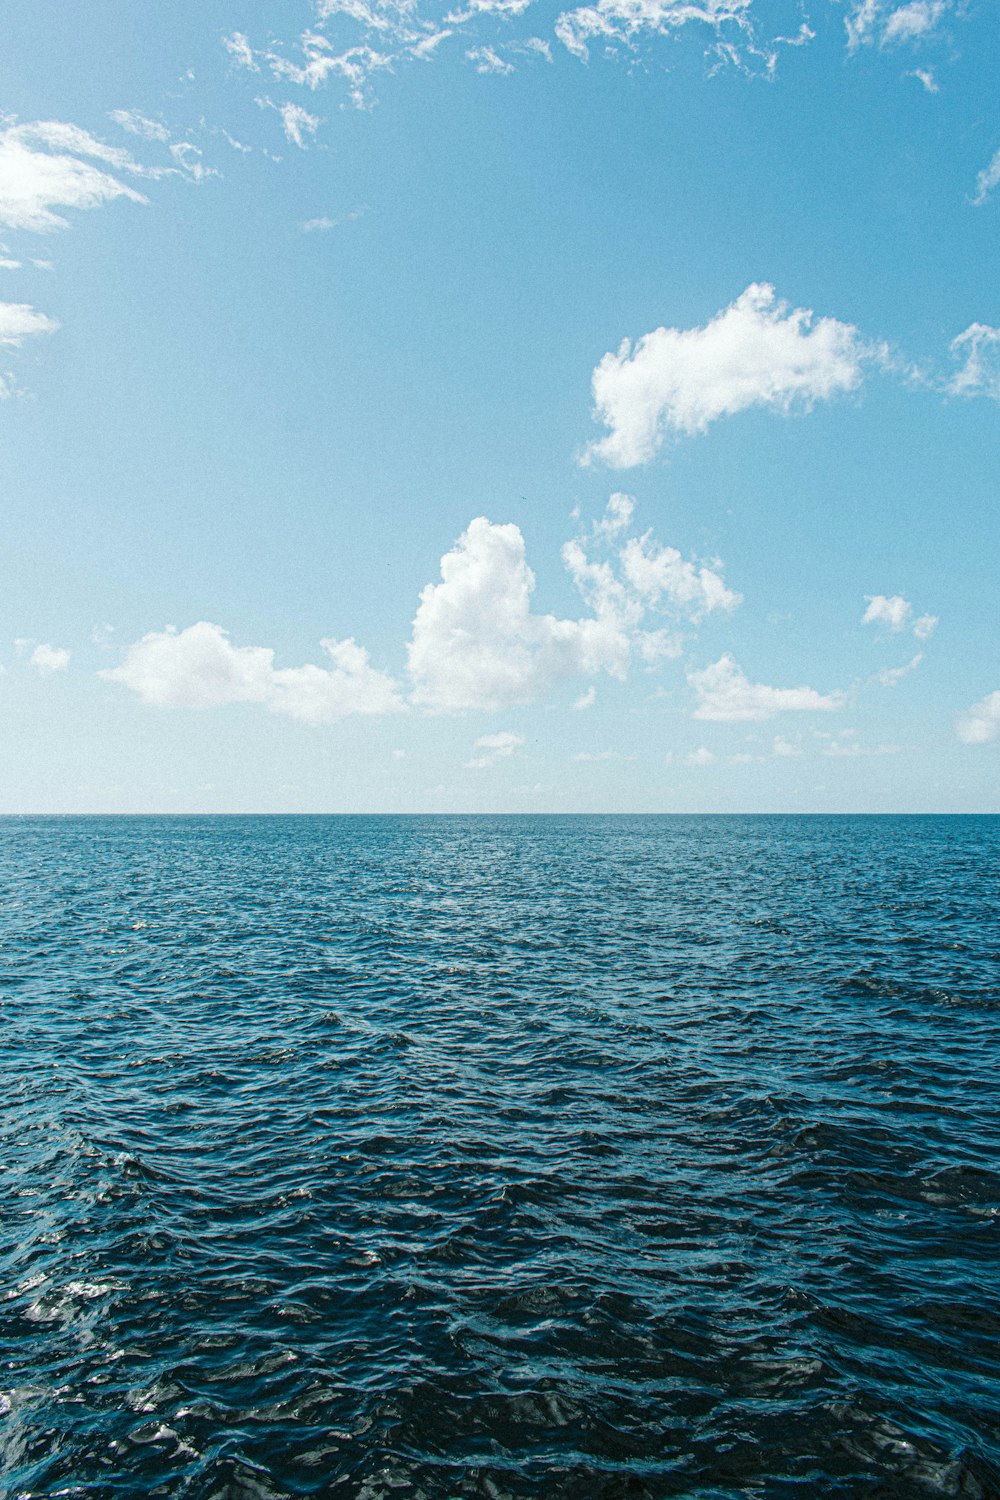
[500, 1157]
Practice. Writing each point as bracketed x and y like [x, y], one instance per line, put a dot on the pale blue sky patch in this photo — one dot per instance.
[310, 312]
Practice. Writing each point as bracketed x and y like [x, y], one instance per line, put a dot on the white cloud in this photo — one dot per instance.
[987, 179]
[354, 66]
[43, 168]
[622, 21]
[505, 8]
[726, 695]
[908, 22]
[979, 349]
[617, 515]
[48, 659]
[658, 572]
[756, 352]
[137, 124]
[188, 159]
[326, 221]
[850, 750]
[875, 21]
[785, 749]
[488, 60]
[705, 757]
[200, 668]
[18, 321]
[496, 747]
[476, 643]
[240, 51]
[297, 123]
[891, 675]
[586, 700]
[981, 723]
[894, 612]
[925, 77]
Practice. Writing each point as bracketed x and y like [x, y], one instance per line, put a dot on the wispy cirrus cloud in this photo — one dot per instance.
[987, 179]
[885, 24]
[351, 41]
[977, 349]
[18, 321]
[48, 167]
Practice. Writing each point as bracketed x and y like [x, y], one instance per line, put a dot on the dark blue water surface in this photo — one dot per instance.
[559, 1157]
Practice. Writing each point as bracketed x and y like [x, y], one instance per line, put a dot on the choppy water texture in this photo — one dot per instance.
[571, 1157]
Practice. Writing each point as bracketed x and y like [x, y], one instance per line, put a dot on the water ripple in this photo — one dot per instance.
[499, 1157]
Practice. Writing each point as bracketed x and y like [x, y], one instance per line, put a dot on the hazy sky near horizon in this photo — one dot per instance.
[500, 406]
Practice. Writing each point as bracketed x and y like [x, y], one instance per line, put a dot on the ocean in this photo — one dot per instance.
[570, 1157]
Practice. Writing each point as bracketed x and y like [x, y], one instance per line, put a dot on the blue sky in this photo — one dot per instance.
[506, 406]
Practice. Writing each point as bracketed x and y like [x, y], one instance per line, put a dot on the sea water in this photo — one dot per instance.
[559, 1157]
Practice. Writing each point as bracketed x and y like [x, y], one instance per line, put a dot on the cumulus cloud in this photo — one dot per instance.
[657, 572]
[200, 668]
[18, 321]
[494, 747]
[978, 348]
[896, 613]
[756, 352]
[785, 749]
[725, 694]
[477, 643]
[981, 723]
[893, 612]
[48, 659]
